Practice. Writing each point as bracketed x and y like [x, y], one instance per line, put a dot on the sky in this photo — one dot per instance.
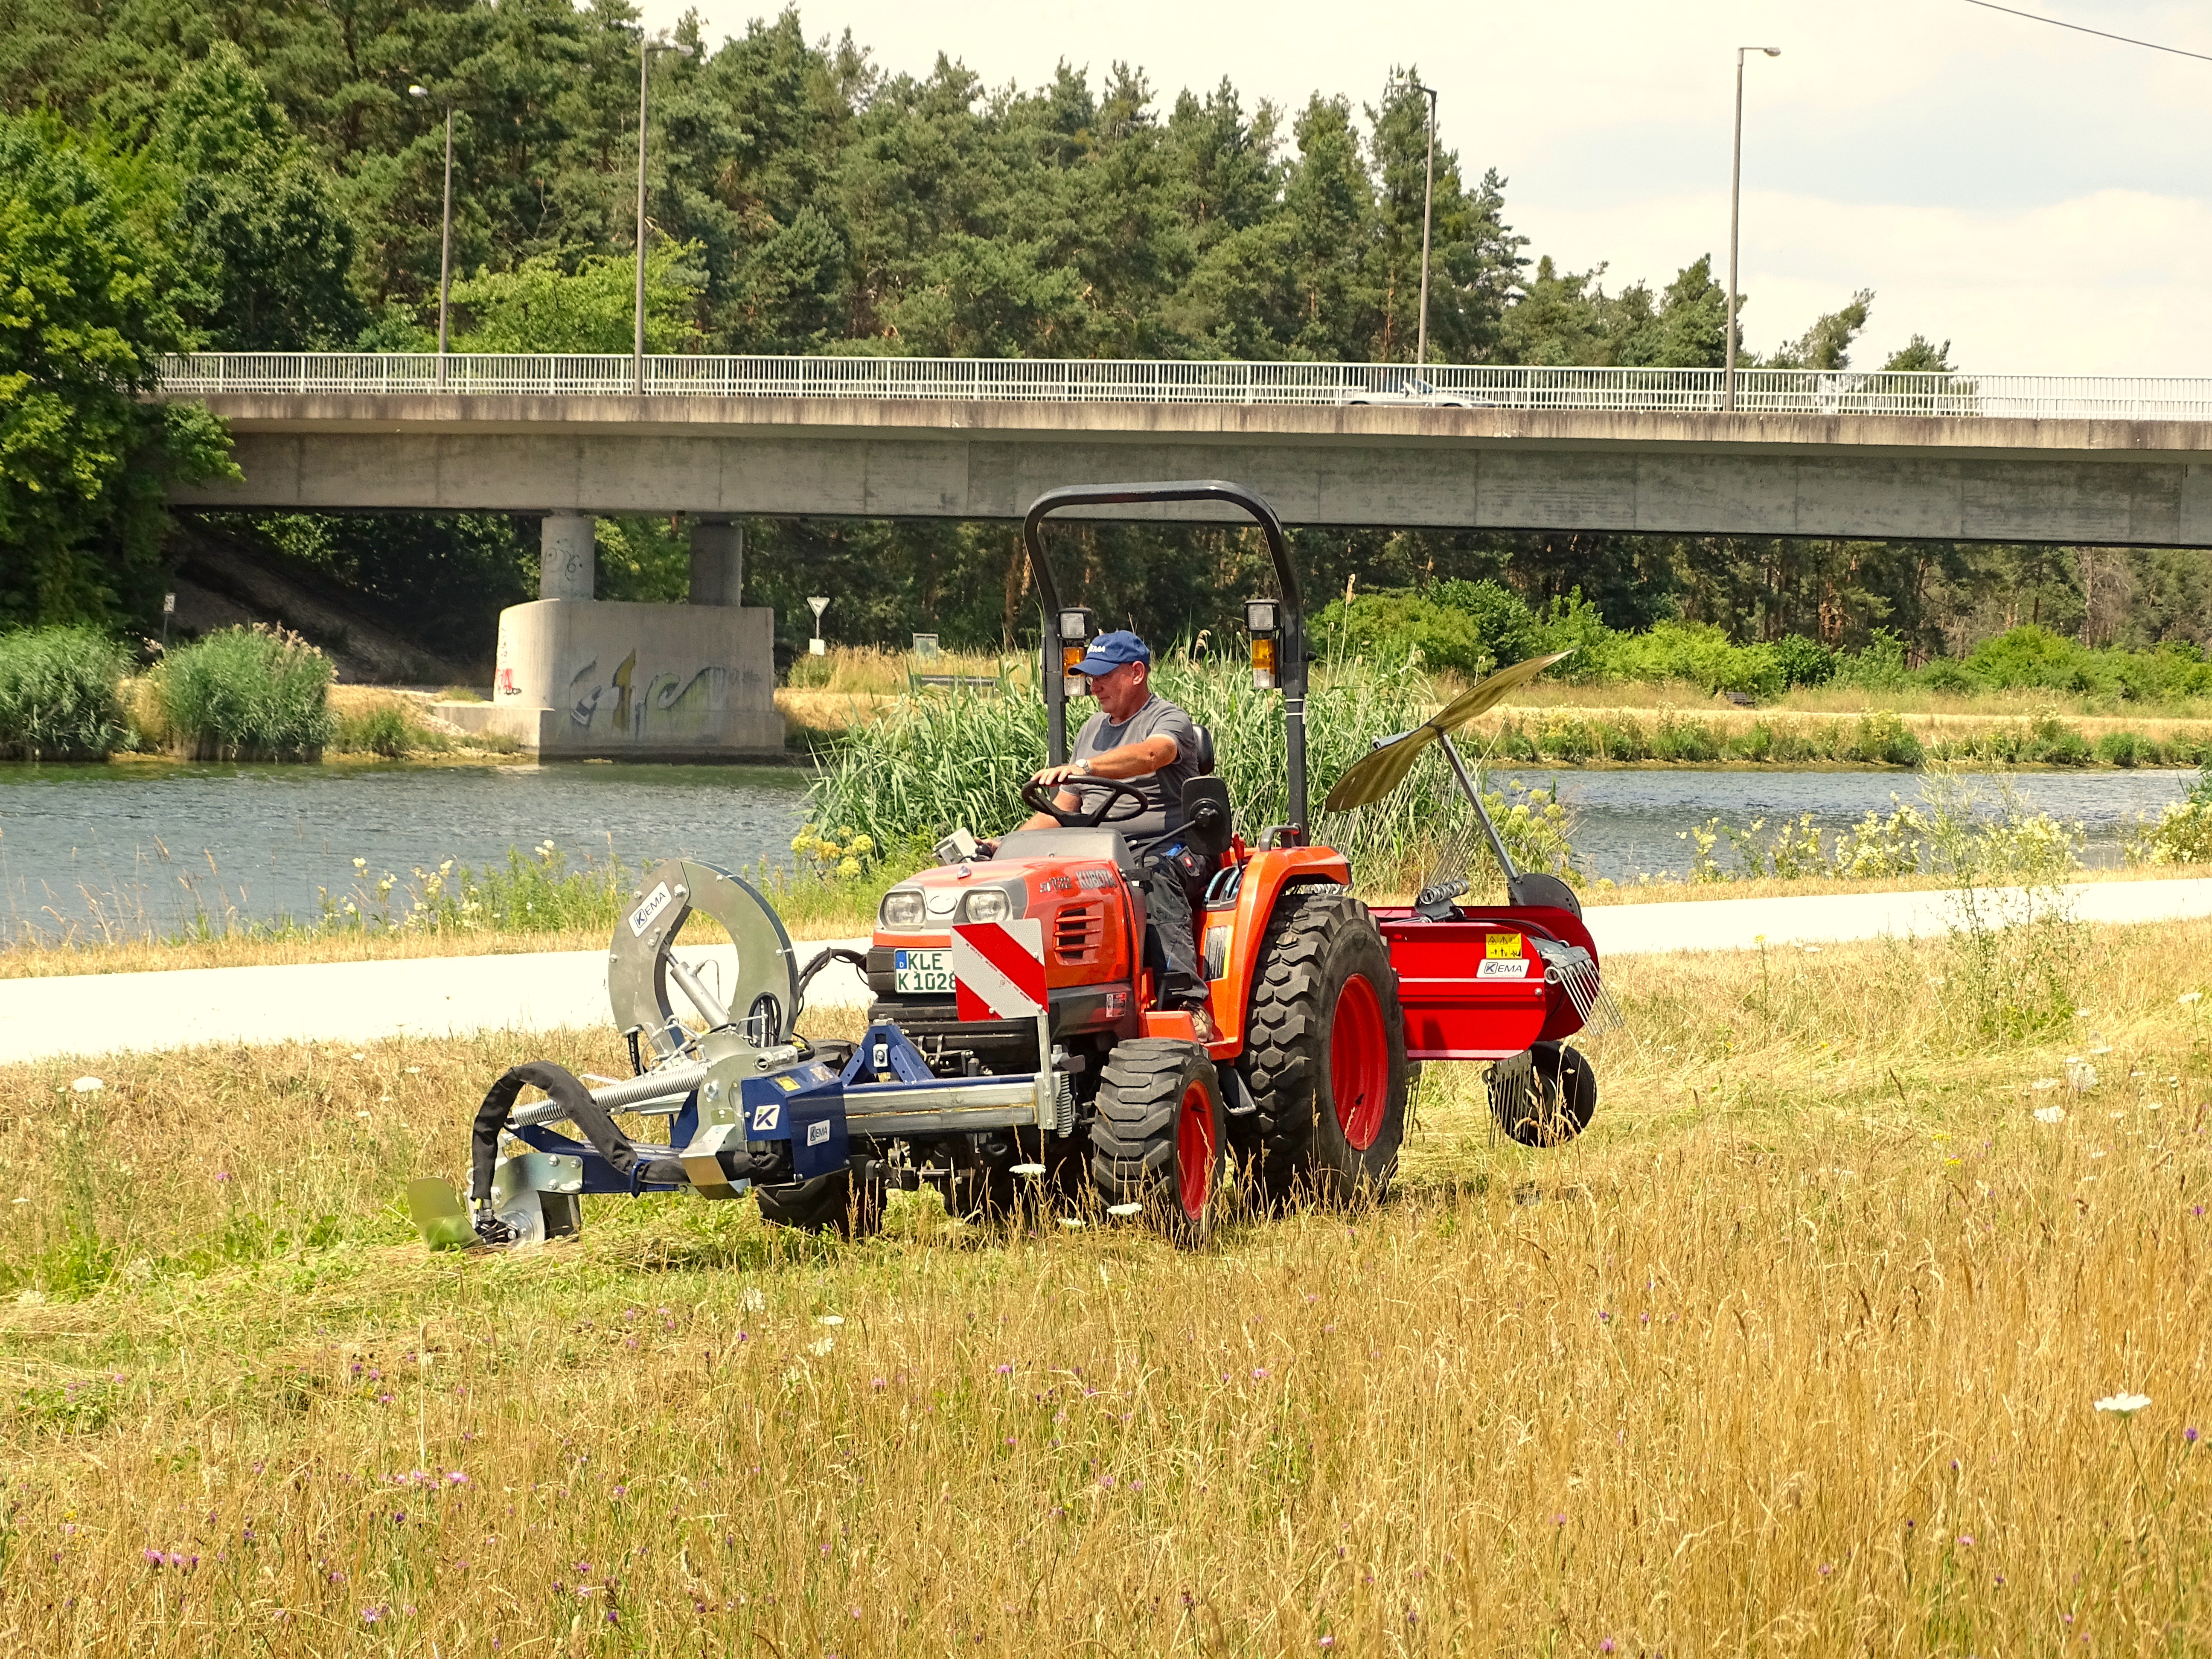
[2037, 196]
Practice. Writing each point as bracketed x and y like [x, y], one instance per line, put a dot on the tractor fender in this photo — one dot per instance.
[1267, 876]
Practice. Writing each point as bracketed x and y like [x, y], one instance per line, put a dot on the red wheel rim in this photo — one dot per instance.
[1195, 1150]
[1359, 1063]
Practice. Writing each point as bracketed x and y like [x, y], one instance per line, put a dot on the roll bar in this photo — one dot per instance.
[1290, 648]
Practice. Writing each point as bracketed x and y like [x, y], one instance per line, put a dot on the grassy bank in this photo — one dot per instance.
[1803, 1337]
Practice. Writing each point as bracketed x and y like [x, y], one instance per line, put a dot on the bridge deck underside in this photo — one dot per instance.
[2148, 483]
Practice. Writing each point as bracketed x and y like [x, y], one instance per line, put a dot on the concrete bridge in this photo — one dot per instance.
[1887, 456]
[1882, 456]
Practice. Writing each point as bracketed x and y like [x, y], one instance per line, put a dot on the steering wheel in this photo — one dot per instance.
[1039, 797]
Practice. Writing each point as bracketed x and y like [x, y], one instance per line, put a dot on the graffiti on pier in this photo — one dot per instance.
[639, 703]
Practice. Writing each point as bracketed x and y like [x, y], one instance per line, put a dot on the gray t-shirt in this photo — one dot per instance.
[1155, 718]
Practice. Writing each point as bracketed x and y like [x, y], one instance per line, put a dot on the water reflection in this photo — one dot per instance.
[151, 845]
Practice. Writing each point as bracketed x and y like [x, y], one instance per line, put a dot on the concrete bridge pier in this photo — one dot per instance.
[579, 678]
[568, 556]
[718, 561]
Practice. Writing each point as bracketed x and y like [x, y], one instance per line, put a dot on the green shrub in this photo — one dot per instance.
[1803, 661]
[2126, 749]
[1394, 628]
[1570, 622]
[1879, 666]
[248, 694]
[1949, 674]
[58, 695]
[2030, 658]
[1697, 653]
[2056, 744]
[1684, 740]
[1883, 738]
[1508, 628]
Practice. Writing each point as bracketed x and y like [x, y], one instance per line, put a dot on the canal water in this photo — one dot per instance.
[147, 849]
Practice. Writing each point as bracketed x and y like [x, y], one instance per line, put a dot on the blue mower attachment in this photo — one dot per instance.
[749, 1103]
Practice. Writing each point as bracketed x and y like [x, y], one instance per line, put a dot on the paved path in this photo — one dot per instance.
[436, 996]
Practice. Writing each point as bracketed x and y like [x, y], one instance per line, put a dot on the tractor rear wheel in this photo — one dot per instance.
[1325, 1052]
[832, 1203]
[1160, 1138]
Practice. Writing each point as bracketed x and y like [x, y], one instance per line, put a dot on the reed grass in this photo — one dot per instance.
[58, 695]
[1796, 1350]
[251, 693]
[931, 763]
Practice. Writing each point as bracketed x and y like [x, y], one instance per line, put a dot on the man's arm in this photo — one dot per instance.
[1139, 759]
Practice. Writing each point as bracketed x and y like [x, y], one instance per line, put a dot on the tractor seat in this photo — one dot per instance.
[1207, 827]
[1204, 749]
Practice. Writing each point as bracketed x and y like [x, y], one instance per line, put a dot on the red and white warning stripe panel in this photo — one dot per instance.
[998, 968]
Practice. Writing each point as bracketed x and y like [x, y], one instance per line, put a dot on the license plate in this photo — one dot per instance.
[923, 973]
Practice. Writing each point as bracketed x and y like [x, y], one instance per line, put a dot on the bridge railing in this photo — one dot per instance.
[1758, 391]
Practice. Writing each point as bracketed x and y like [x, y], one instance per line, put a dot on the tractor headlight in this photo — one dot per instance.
[901, 909]
[984, 904]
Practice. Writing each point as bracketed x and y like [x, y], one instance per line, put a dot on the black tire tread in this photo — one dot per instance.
[825, 1204]
[1285, 1027]
[1132, 1136]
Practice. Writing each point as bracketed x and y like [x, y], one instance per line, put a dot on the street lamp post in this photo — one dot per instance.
[445, 233]
[646, 48]
[1735, 193]
[1428, 197]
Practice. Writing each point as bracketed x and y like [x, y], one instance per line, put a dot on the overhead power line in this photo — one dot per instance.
[2079, 28]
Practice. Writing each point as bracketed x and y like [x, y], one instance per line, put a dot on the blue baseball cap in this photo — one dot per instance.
[1111, 650]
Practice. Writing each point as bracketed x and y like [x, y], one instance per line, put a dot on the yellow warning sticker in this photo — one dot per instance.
[1497, 946]
[788, 1084]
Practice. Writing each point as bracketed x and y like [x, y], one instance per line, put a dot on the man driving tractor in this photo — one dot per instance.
[1139, 736]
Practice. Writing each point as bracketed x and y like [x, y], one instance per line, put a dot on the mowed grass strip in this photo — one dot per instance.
[1795, 1350]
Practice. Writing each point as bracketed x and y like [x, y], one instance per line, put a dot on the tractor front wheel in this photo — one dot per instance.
[1160, 1139]
[1325, 1052]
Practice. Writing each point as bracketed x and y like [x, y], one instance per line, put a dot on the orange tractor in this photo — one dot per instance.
[1014, 1053]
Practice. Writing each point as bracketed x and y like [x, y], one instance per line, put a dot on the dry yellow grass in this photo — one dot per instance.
[1795, 1351]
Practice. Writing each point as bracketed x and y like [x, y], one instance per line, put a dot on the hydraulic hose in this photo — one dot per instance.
[857, 959]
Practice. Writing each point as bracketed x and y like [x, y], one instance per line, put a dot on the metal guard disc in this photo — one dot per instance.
[767, 980]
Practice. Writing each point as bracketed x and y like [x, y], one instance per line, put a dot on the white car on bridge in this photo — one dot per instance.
[1413, 392]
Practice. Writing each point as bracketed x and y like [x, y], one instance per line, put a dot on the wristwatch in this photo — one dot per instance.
[1083, 768]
